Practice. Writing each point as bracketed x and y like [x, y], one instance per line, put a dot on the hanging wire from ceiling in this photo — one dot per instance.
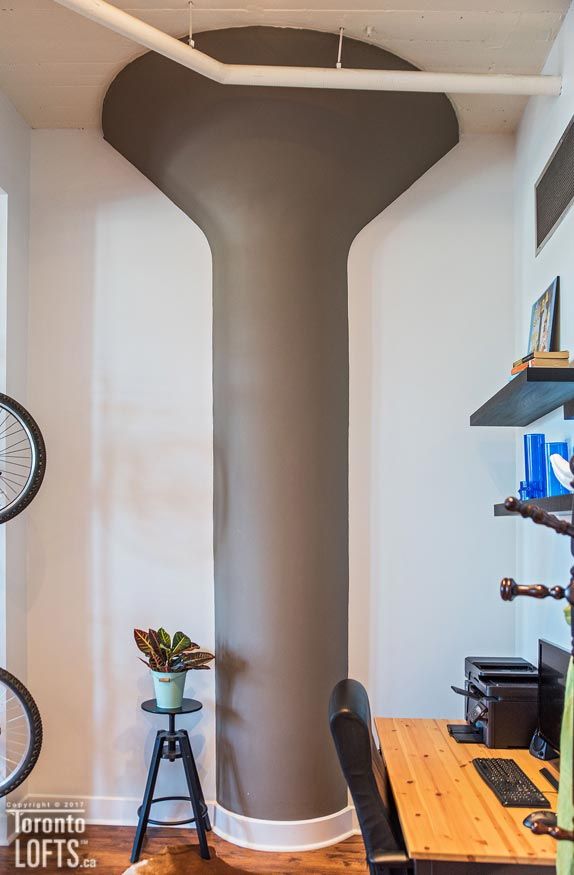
[190, 41]
[340, 52]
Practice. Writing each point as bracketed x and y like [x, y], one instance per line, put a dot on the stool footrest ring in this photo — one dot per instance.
[169, 822]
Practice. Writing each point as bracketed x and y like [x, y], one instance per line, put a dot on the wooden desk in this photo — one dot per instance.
[452, 822]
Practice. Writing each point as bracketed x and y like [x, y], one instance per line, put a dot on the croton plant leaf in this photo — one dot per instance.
[182, 643]
[150, 662]
[142, 641]
[197, 658]
[164, 639]
[155, 643]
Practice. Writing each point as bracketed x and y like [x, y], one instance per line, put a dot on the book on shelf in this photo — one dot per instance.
[546, 356]
[540, 363]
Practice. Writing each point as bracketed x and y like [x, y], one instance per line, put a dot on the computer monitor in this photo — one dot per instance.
[552, 668]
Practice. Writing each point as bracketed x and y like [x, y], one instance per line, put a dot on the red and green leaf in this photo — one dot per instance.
[182, 643]
[142, 641]
[164, 638]
[197, 659]
[155, 643]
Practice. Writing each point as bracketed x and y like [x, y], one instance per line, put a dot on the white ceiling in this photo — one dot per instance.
[56, 66]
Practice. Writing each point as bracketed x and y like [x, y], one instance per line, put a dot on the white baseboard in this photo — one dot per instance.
[117, 810]
[284, 835]
[247, 832]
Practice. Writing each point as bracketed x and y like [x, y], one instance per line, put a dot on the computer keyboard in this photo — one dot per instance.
[509, 783]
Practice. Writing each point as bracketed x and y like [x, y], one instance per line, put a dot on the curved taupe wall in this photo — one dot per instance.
[281, 181]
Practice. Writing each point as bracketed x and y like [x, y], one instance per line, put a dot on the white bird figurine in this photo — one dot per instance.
[562, 471]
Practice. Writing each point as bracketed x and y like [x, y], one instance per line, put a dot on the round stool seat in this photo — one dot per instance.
[188, 706]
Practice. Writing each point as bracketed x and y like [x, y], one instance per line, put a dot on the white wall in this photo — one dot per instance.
[15, 185]
[14, 193]
[14, 231]
[120, 378]
[430, 330]
[543, 557]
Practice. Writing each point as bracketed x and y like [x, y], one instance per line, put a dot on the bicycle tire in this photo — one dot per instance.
[39, 447]
[35, 722]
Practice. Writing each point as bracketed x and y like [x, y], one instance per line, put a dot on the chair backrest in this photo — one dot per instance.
[363, 767]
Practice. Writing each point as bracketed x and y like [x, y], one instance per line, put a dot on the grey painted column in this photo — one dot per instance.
[281, 181]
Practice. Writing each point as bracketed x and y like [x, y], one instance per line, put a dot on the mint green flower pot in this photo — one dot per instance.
[169, 687]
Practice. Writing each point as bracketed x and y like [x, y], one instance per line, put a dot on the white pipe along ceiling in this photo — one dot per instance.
[309, 77]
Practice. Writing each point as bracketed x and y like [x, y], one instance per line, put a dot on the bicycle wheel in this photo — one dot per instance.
[22, 458]
[20, 733]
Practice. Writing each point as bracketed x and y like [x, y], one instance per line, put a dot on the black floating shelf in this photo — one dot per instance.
[531, 394]
[553, 504]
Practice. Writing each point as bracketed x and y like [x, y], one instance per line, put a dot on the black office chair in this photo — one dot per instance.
[366, 776]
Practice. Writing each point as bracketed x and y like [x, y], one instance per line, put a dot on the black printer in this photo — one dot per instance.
[501, 700]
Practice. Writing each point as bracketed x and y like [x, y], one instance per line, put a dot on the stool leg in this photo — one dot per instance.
[201, 796]
[194, 791]
[148, 796]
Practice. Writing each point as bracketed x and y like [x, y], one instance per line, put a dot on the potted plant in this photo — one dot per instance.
[169, 660]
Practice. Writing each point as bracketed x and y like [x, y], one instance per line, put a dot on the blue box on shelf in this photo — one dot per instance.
[535, 465]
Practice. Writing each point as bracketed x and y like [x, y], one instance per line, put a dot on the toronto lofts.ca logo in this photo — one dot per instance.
[49, 835]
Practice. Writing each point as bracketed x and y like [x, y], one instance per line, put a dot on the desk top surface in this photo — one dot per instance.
[447, 812]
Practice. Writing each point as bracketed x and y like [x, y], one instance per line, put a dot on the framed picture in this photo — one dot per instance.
[542, 320]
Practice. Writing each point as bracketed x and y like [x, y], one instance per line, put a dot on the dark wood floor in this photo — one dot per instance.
[111, 846]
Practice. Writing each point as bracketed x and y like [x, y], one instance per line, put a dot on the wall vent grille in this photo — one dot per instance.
[555, 188]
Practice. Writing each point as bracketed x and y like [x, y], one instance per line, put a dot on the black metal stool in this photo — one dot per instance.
[172, 744]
